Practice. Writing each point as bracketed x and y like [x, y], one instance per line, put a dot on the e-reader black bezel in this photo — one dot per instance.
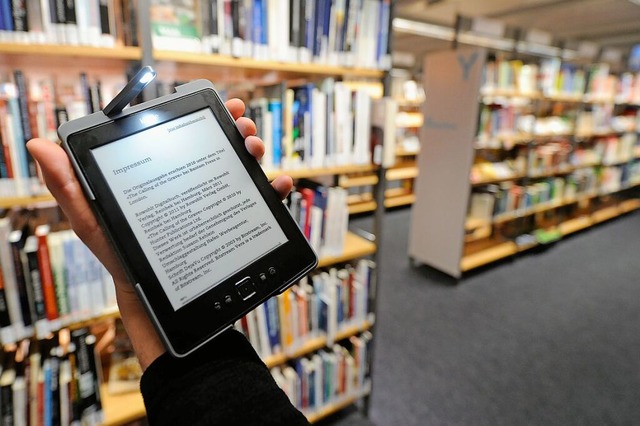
[188, 327]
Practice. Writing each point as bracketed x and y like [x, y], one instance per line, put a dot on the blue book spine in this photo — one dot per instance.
[309, 39]
[47, 414]
[258, 35]
[6, 15]
[318, 24]
[383, 32]
[273, 321]
[18, 139]
[275, 106]
[2, 24]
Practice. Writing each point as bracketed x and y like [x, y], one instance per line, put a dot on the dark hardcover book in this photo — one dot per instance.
[95, 97]
[33, 268]
[86, 92]
[7, 378]
[302, 25]
[19, 15]
[318, 26]
[105, 17]
[294, 23]
[58, 11]
[213, 25]
[25, 121]
[5, 319]
[70, 11]
[16, 241]
[235, 18]
[54, 386]
[87, 368]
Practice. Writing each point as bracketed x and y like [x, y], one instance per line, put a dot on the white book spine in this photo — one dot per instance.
[318, 105]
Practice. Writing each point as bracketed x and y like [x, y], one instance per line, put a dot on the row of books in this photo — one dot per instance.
[553, 78]
[35, 107]
[490, 201]
[318, 306]
[100, 23]
[560, 155]
[324, 125]
[352, 33]
[504, 125]
[333, 374]
[601, 119]
[48, 280]
[49, 382]
[322, 214]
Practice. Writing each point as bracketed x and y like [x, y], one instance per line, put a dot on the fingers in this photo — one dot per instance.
[235, 107]
[254, 146]
[246, 126]
[283, 185]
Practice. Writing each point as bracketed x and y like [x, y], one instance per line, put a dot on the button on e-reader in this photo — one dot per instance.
[217, 306]
[245, 288]
[228, 300]
[272, 271]
[263, 277]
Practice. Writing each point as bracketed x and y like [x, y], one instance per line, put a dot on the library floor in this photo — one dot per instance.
[549, 338]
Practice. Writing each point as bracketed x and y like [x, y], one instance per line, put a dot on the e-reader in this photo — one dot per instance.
[199, 229]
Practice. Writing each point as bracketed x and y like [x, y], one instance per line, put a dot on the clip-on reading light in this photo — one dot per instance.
[130, 91]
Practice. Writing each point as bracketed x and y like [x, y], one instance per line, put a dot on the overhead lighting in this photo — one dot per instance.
[440, 32]
[423, 29]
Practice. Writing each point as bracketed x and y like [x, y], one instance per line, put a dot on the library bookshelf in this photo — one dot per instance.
[547, 161]
[124, 408]
[41, 59]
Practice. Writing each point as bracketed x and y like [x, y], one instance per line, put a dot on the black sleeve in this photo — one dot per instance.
[222, 383]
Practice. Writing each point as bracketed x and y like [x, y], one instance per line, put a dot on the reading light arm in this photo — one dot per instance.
[130, 91]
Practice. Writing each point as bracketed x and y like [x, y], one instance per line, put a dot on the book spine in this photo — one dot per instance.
[33, 269]
[20, 16]
[46, 275]
[19, 265]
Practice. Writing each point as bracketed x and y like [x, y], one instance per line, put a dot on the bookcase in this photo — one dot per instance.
[78, 66]
[519, 155]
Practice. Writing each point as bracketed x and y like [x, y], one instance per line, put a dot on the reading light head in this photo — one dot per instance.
[130, 91]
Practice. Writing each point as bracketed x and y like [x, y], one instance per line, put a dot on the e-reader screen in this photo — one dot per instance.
[190, 203]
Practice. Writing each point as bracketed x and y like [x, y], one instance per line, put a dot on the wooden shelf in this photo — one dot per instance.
[409, 172]
[121, 409]
[605, 214]
[324, 171]
[59, 51]
[629, 205]
[574, 225]
[363, 207]
[337, 405]
[127, 407]
[400, 200]
[492, 252]
[354, 248]
[487, 180]
[315, 344]
[9, 202]
[350, 182]
[244, 64]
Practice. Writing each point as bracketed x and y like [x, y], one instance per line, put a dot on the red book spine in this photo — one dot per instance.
[46, 276]
[307, 196]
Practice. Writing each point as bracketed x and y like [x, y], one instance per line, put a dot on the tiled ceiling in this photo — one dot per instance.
[608, 23]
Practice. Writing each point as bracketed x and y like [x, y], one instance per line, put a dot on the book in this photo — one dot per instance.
[41, 324]
[17, 239]
[174, 26]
